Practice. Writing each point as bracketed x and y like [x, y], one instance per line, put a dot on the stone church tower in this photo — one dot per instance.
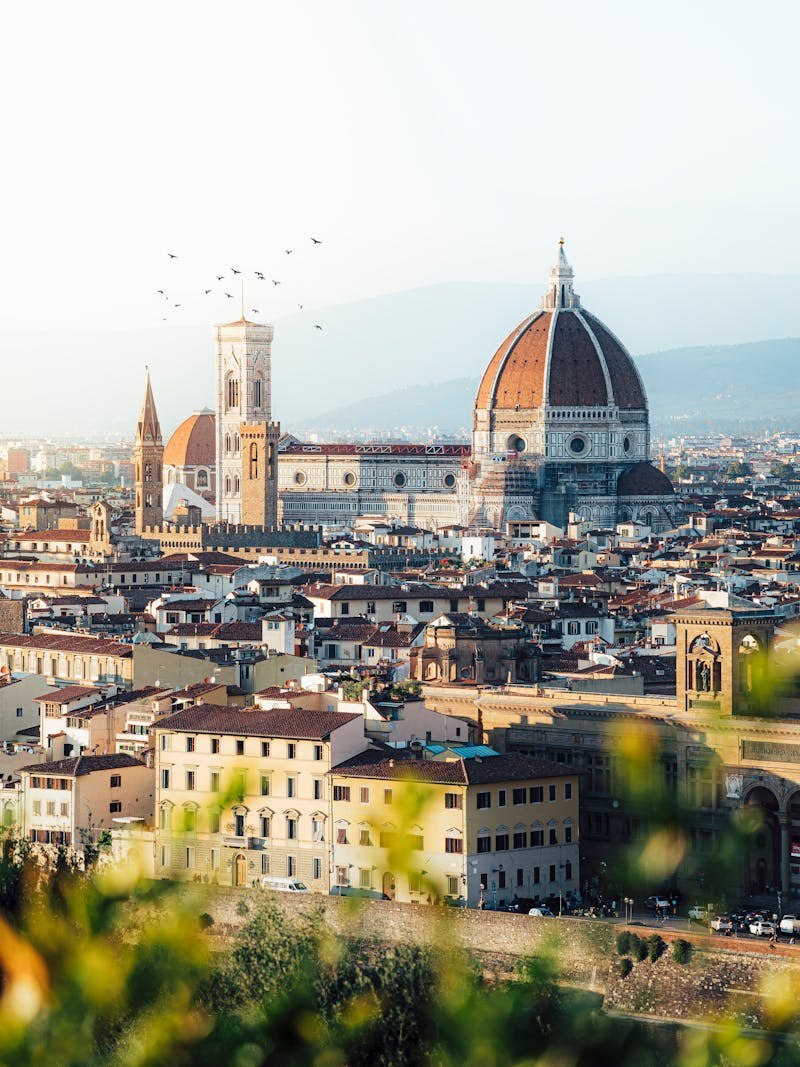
[244, 400]
[148, 459]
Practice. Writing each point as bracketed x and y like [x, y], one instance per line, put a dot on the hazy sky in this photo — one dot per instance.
[421, 141]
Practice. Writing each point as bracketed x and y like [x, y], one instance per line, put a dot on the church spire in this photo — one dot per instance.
[560, 293]
[148, 427]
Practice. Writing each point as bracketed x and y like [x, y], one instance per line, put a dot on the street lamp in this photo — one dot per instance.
[628, 902]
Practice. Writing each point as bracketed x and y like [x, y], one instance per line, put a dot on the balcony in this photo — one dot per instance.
[234, 841]
[258, 844]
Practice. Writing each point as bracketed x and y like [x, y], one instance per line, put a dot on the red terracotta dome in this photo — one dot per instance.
[193, 444]
[561, 356]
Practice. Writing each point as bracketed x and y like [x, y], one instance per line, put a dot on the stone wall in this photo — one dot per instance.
[716, 982]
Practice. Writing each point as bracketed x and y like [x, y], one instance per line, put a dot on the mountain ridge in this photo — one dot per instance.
[371, 347]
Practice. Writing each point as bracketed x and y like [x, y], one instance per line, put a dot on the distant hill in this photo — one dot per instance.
[375, 347]
[717, 384]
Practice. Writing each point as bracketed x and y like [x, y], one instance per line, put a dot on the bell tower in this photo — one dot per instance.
[720, 659]
[244, 388]
[148, 459]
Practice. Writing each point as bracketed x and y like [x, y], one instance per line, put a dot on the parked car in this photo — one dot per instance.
[657, 901]
[542, 913]
[722, 924]
[762, 928]
[698, 912]
[285, 885]
[790, 924]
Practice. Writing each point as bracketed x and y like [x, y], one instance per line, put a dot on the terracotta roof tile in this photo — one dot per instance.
[252, 722]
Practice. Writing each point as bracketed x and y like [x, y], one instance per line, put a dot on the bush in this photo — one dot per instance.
[242, 908]
[638, 948]
[205, 920]
[624, 942]
[624, 967]
[655, 947]
[682, 951]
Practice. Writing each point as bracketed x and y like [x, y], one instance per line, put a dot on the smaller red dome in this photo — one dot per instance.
[643, 479]
[193, 444]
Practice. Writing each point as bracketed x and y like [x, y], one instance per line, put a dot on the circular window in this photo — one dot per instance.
[299, 478]
[577, 445]
[626, 444]
[516, 444]
[349, 478]
[399, 479]
[449, 480]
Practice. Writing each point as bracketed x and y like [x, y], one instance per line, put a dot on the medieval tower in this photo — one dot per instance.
[244, 401]
[148, 459]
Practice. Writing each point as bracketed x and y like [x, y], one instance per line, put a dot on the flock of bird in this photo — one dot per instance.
[234, 272]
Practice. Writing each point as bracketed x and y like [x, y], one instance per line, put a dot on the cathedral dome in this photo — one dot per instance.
[561, 356]
[193, 443]
[643, 479]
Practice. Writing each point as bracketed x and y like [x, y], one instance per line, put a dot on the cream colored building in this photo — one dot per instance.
[18, 702]
[492, 826]
[248, 669]
[67, 658]
[271, 768]
[69, 801]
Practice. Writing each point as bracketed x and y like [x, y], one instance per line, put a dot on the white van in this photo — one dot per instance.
[285, 885]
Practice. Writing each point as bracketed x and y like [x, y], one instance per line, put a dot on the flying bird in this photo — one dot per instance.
[176, 305]
[315, 241]
[172, 255]
[206, 292]
[220, 277]
[235, 271]
[161, 291]
[317, 326]
[229, 296]
[255, 311]
[274, 282]
[289, 251]
[259, 275]
[300, 306]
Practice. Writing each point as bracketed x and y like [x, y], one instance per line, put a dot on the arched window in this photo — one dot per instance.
[227, 485]
[148, 472]
[253, 459]
[227, 442]
[236, 484]
[202, 479]
[258, 391]
[231, 392]
[236, 443]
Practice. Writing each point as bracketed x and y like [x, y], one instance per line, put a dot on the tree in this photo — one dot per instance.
[782, 471]
[739, 469]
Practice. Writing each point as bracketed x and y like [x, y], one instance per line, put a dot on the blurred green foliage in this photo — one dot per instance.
[103, 968]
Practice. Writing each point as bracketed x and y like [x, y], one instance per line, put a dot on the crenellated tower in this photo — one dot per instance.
[148, 459]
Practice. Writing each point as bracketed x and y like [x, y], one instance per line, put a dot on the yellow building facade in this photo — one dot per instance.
[271, 770]
[461, 829]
